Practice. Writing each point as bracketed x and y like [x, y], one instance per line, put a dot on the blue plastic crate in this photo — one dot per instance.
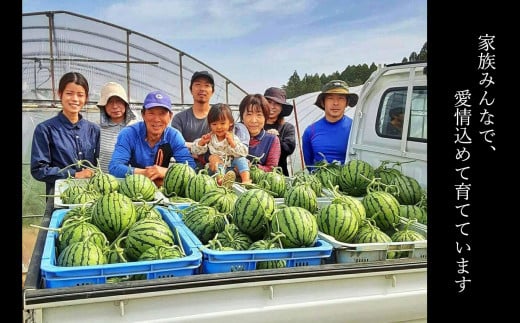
[228, 261]
[214, 261]
[57, 276]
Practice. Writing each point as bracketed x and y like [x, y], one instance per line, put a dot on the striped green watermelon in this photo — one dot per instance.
[256, 173]
[176, 179]
[338, 221]
[353, 203]
[162, 252]
[204, 221]
[405, 235]
[386, 174]
[113, 213]
[414, 212]
[104, 183]
[297, 224]
[199, 185]
[355, 176]
[79, 213]
[409, 191]
[147, 211]
[383, 207]
[310, 179]
[116, 252]
[146, 234]
[82, 253]
[232, 237]
[302, 195]
[269, 244]
[253, 210]
[138, 187]
[328, 174]
[370, 233]
[274, 182]
[78, 194]
[79, 232]
[220, 198]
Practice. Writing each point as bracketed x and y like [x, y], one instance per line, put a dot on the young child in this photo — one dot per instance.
[226, 149]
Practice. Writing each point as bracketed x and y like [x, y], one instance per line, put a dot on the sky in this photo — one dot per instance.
[259, 44]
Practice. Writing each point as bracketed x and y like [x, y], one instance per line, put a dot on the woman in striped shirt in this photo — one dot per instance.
[115, 114]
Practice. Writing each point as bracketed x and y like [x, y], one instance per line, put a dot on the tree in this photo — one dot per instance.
[352, 74]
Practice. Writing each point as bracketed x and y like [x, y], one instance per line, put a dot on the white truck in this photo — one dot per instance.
[379, 291]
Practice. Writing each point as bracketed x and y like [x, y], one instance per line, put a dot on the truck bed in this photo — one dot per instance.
[382, 291]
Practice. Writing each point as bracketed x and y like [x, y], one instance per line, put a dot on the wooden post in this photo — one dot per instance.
[298, 134]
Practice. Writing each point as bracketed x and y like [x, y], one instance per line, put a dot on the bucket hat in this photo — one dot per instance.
[109, 90]
[157, 99]
[336, 87]
[278, 95]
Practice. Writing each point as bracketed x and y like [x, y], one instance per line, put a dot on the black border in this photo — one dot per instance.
[453, 57]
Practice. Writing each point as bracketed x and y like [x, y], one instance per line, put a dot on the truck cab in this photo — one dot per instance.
[394, 91]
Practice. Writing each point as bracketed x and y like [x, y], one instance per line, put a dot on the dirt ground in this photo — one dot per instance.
[29, 236]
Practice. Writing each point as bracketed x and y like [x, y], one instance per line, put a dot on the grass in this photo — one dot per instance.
[33, 203]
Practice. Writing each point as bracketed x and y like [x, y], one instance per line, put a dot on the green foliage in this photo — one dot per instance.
[354, 75]
[33, 201]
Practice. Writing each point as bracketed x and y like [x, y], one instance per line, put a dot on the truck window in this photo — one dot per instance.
[392, 110]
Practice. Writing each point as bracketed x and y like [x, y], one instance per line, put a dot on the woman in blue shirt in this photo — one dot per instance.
[67, 138]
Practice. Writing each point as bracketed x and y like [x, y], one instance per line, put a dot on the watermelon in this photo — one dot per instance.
[220, 198]
[204, 221]
[104, 183]
[138, 187]
[253, 210]
[116, 252]
[328, 174]
[408, 190]
[82, 253]
[199, 185]
[383, 207]
[232, 237]
[274, 182]
[162, 252]
[177, 178]
[113, 213]
[269, 244]
[310, 179]
[414, 212]
[338, 221]
[302, 195]
[146, 234]
[297, 224]
[355, 176]
[79, 232]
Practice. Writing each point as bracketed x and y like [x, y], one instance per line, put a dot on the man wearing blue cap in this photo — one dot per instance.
[147, 146]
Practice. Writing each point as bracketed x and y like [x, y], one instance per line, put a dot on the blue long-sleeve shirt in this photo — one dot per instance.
[57, 143]
[131, 149]
[328, 138]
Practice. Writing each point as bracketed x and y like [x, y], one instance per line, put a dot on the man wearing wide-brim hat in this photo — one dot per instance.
[327, 138]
